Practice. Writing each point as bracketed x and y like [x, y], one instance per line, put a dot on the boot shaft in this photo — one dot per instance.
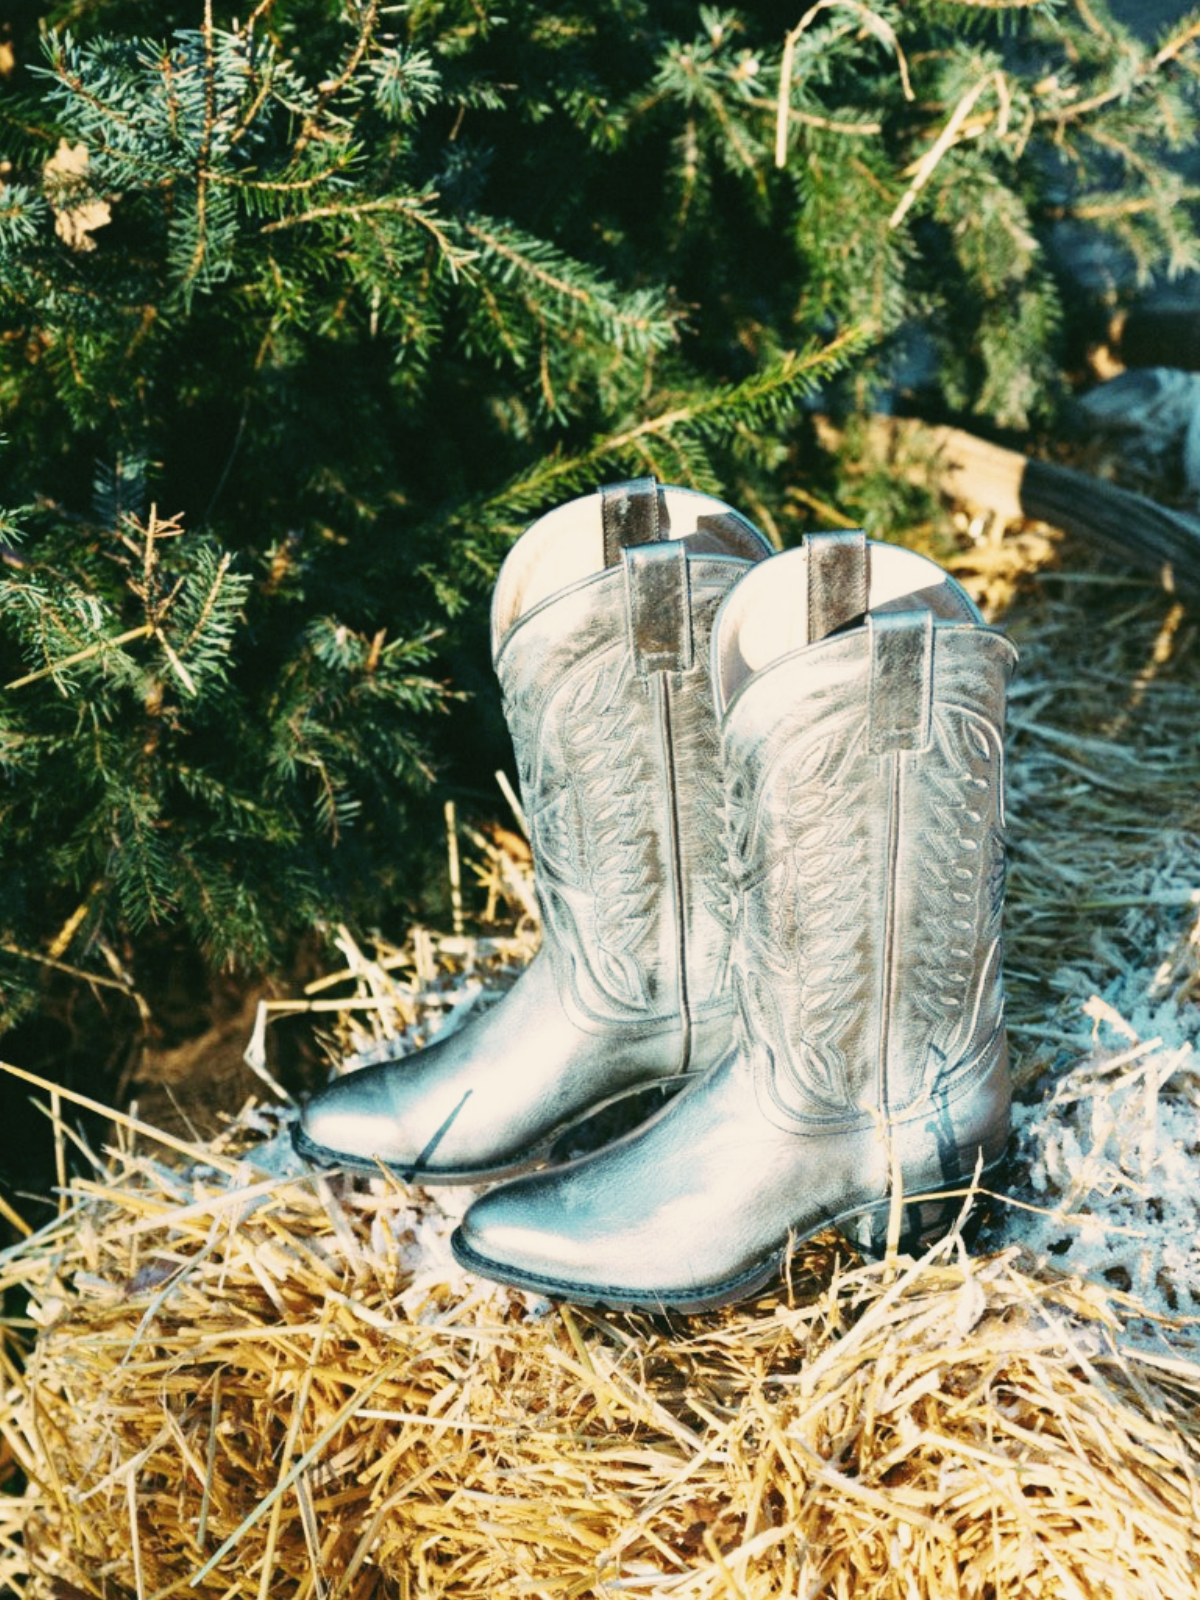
[601, 632]
[865, 827]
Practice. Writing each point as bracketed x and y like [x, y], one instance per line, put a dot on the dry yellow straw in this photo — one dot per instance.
[270, 1407]
[285, 1387]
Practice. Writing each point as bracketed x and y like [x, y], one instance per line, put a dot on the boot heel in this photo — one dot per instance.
[923, 1222]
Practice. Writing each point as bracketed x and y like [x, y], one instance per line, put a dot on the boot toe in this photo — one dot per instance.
[512, 1236]
[519, 1234]
[602, 1230]
[355, 1122]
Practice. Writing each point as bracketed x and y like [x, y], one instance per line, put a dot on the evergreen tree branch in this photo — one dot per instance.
[353, 210]
[246, 120]
[208, 604]
[810, 119]
[871, 22]
[531, 262]
[98, 648]
[1127, 206]
[247, 181]
[528, 268]
[330, 90]
[725, 403]
[205, 150]
[944, 141]
[185, 677]
[1169, 52]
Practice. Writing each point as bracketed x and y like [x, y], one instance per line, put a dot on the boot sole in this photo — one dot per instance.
[925, 1219]
[559, 1145]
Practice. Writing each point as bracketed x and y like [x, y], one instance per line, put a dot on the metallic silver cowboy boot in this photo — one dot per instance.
[863, 772]
[600, 631]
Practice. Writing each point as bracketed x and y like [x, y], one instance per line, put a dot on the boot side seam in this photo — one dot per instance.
[663, 690]
[890, 964]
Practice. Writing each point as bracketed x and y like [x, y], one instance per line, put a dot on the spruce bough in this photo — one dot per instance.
[304, 316]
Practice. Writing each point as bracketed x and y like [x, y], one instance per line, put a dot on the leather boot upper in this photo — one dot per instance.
[601, 622]
[861, 755]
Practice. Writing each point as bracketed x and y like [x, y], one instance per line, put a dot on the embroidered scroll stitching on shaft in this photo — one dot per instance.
[803, 903]
[958, 915]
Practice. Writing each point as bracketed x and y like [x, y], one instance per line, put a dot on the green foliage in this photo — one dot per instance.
[128, 772]
[354, 291]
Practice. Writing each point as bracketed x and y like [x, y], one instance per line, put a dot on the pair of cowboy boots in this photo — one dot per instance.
[765, 803]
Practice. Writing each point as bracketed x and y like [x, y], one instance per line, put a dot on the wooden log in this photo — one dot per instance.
[1131, 526]
[1013, 485]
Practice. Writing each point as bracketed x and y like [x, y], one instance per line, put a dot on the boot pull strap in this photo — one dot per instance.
[899, 706]
[632, 513]
[839, 580]
[659, 607]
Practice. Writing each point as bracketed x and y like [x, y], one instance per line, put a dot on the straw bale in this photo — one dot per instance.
[227, 1377]
[224, 1399]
